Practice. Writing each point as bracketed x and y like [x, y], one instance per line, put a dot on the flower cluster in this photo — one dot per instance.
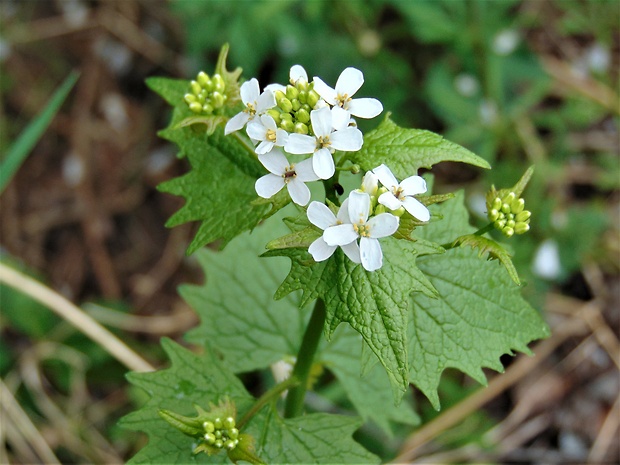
[363, 216]
[508, 214]
[207, 94]
[302, 118]
[221, 433]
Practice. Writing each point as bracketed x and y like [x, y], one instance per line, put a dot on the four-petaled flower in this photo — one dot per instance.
[322, 217]
[349, 82]
[255, 104]
[401, 194]
[327, 138]
[282, 173]
[264, 129]
[368, 230]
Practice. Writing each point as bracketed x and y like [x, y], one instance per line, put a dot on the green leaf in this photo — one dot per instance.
[171, 90]
[371, 394]
[242, 322]
[219, 189]
[493, 249]
[479, 315]
[19, 150]
[375, 304]
[203, 379]
[405, 151]
[191, 379]
[315, 438]
[239, 317]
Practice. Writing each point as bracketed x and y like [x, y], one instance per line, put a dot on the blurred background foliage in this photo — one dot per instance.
[519, 82]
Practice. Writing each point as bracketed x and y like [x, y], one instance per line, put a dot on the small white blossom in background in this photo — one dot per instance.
[255, 102]
[265, 130]
[322, 217]
[325, 141]
[370, 183]
[349, 82]
[282, 173]
[401, 194]
[367, 230]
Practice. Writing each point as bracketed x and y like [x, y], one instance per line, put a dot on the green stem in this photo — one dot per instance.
[267, 397]
[245, 144]
[480, 232]
[295, 399]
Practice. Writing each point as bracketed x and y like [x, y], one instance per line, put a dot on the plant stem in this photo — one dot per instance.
[268, 397]
[480, 232]
[295, 399]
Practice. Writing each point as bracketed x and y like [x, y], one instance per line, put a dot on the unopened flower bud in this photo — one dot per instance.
[195, 107]
[275, 114]
[209, 438]
[497, 203]
[195, 87]
[303, 97]
[229, 422]
[493, 215]
[505, 207]
[189, 98]
[296, 104]
[208, 427]
[218, 433]
[302, 84]
[508, 232]
[522, 228]
[382, 190]
[500, 224]
[218, 83]
[230, 444]
[400, 211]
[218, 99]
[285, 105]
[312, 99]
[302, 116]
[287, 124]
[233, 433]
[380, 209]
[218, 443]
[523, 216]
[291, 92]
[301, 128]
[517, 206]
[203, 79]
[510, 224]
[218, 423]
[207, 108]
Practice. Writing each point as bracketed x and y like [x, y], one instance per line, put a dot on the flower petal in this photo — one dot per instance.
[265, 101]
[365, 107]
[299, 192]
[348, 139]
[274, 161]
[281, 137]
[389, 200]
[320, 215]
[359, 207]
[417, 209]
[296, 73]
[340, 118]
[320, 250]
[269, 185]
[264, 147]
[321, 122]
[352, 251]
[305, 171]
[413, 185]
[300, 143]
[343, 213]
[370, 183]
[327, 93]
[341, 234]
[256, 130]
[249, 91]
[236, 122]
[349, 81]
[323, 164]
[371, 254]
[383, 225]
[385, 176]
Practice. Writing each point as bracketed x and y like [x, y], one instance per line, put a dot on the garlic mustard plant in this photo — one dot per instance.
[402, 267]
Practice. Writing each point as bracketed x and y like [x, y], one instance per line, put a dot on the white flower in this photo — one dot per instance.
[349, 82]
[264, 129]
[282, 173]
[255, 102]
[296, 73]
[368, 230]
[324, 142]
[402, 194]
[322, 217]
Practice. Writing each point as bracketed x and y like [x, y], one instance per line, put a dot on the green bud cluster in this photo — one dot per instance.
[221, 433]
[508, 214]
[293, 107]
[208, 94]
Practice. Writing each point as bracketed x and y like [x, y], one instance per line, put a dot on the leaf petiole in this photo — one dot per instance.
[267, 397]
[480, 232]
